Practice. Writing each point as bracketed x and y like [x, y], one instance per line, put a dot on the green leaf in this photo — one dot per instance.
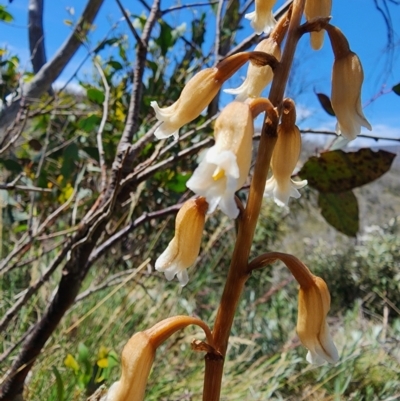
[83, 353]
[116, 65]
[178, 182]
[89, 123]
[11, 165]
[70, 154]
[165, 40]
[338, 171]
[95, 95]
[340, 210]
[325, 103]
[396, 89]
[5, 15]
[59, 384]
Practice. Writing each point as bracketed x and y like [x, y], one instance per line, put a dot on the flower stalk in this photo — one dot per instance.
[238, 270]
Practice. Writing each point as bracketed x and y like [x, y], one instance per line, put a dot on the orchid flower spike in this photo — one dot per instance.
[312, 328]
[184, 248]
[199, 92]
[347, 79]
[314, 9]
[226, 165]
[262, 19]
[285, 157]
[257, 77]
[139, 353]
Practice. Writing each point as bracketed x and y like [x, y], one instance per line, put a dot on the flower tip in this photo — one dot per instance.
[162, 133]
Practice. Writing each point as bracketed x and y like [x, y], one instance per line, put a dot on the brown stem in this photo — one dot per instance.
[238, 271]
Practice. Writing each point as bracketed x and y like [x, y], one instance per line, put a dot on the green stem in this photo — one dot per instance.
[238, 271]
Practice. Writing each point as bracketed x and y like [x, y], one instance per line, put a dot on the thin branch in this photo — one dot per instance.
[218, 22]
[129, 22]
[31, 290]
[99, 136]
[11, 187]
[8, 351]
[184, 6]
[144, 218]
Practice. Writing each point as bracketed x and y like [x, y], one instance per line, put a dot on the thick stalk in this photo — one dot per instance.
[237, 275]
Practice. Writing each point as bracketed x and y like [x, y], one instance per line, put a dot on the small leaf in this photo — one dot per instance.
[338, 171]
[340, 210]
[5, 16]
[68, 22]
[396, 89]
[95, 95]
[83, 353]
[35, 144]
[89, 123]
[71, 155]
[325, 102]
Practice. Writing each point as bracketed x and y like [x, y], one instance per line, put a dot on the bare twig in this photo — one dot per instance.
[100, 250]
[218, 23]
[129, 22]
[11, 187]
[99, 137]
[184, 6]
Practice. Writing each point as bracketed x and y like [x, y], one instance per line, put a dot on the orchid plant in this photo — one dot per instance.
[226, 167]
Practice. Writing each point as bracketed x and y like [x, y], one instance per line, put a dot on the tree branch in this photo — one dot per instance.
[36, 35]
[50, 71]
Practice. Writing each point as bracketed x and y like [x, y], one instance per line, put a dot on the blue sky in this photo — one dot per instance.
[358, 19]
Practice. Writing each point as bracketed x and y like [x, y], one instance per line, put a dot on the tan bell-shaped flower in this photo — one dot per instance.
[199, 92]
[257, 77]
[262, 19]
[312, 328]
[347, 79]
[138, 357]
[225, 167]
[184, 248]
[314, 9]
[285, 157]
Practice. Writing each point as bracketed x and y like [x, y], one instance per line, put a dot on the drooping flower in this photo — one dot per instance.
[184, 248]
[139, 353]
[226, 165]
[262, 19]
[347, 79]
[199, 92]
[314, 9]
[257, 77]
[285, 157]
[312, 328]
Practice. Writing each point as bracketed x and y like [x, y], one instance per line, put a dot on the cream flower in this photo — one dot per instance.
[199, 92]
[314, 9]
[184, 248]
[226, 165]
[257, 77]
[313, 307]
[284, 158]
[262, 19]
[347, 79]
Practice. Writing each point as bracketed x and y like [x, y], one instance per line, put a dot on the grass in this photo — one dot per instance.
[265, 359]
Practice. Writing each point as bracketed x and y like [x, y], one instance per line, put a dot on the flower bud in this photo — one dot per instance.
[198, 93]
[262, 19]
[314, 9]
[139, 353]
[257, 77]
[312, 329]
[226, 165]
[285, 157]
[184, 248]
[347, 79]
